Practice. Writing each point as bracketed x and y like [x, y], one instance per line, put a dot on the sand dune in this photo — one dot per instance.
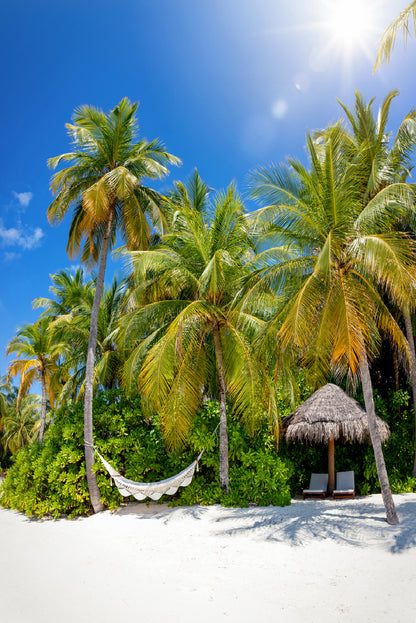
[316, 560]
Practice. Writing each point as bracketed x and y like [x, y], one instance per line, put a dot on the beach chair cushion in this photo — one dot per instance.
[345, 483]
[318, 484]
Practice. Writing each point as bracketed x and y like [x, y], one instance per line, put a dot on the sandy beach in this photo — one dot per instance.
[316, 560]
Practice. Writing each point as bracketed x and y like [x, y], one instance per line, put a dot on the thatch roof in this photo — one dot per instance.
[330, 412]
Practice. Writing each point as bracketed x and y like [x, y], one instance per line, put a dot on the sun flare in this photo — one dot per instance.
[349, 29]
[350, 22]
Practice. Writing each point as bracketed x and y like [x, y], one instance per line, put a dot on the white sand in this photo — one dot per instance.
[314, 561]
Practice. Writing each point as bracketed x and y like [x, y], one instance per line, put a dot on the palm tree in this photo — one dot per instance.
[104, 186]
[70, 316]
[401, 22]
[8, 398]
[188, 322]
[387, 163]
[73, 328]
[8, 395]
[351, 254]
[71, 291]
[37, 356]
[21, 424]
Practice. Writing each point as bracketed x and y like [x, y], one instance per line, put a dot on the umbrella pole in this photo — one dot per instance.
[331, 465]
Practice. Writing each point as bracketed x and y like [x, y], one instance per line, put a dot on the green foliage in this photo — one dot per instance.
[258, 475]
[49, 479]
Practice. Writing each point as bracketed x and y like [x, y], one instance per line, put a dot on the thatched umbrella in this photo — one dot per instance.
[327, 415]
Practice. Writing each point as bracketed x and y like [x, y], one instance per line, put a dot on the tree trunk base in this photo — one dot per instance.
[225, 489]
[93, 489]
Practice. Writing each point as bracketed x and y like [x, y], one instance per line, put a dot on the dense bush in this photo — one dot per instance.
[49, 479]
[396, 409]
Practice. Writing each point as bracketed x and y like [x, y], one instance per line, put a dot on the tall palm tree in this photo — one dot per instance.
[351, 255]
[386, 163]
[37, 356]
[189, 323]
[401, 22]
[104, 186]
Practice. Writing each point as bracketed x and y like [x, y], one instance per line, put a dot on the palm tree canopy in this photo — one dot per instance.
[73, 328]
[37, 354]
[341, 212]
[105, 177]
[70, 291]
[21, 425]
[189, 286]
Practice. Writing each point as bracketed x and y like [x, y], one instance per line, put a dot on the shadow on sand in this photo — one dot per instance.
[354, 522]
[162, 512]
[360, 522]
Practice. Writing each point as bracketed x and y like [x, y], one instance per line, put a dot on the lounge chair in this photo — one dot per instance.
[345, 486]
[317, 486]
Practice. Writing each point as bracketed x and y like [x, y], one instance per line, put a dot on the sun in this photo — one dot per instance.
[348, 29]
[350, 22]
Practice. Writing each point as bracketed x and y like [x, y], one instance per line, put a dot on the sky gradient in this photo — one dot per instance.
[227, 85]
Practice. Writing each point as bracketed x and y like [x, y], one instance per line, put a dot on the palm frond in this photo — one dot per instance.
[388, 40]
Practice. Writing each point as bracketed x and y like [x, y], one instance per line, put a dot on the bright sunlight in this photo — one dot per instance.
[350, 21]
[351, 28]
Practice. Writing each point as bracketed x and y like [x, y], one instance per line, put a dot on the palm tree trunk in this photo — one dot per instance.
[331, 465]
[396, 369]
[224, 475]
[391, 513]
[89, 373]
[412, 366]
[43, 408]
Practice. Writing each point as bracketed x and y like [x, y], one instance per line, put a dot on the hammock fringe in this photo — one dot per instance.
[152, 490]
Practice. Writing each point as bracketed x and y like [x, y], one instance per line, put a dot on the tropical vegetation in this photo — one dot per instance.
[188, 288]
[104, 186]
[226, 320]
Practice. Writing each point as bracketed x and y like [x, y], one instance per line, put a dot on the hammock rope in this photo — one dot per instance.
[152, 490]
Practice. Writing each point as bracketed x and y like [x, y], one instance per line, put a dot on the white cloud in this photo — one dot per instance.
[25, 239]
[9, 256]
[279, 108]
[23, 198]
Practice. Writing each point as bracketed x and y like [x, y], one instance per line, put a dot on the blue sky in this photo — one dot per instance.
[227, 85]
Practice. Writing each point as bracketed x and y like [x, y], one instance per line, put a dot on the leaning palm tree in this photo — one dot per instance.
[401, 22]
[37, 356]
[188, 323]
[104, 186]
[351, 256]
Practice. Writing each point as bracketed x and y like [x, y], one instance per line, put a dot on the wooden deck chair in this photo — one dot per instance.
[317, 486]
[345, 485]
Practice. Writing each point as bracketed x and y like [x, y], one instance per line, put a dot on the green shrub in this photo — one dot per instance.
[258, 475]
[49, 479]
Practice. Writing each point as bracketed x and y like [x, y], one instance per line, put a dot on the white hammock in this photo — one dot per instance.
[152, 490]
